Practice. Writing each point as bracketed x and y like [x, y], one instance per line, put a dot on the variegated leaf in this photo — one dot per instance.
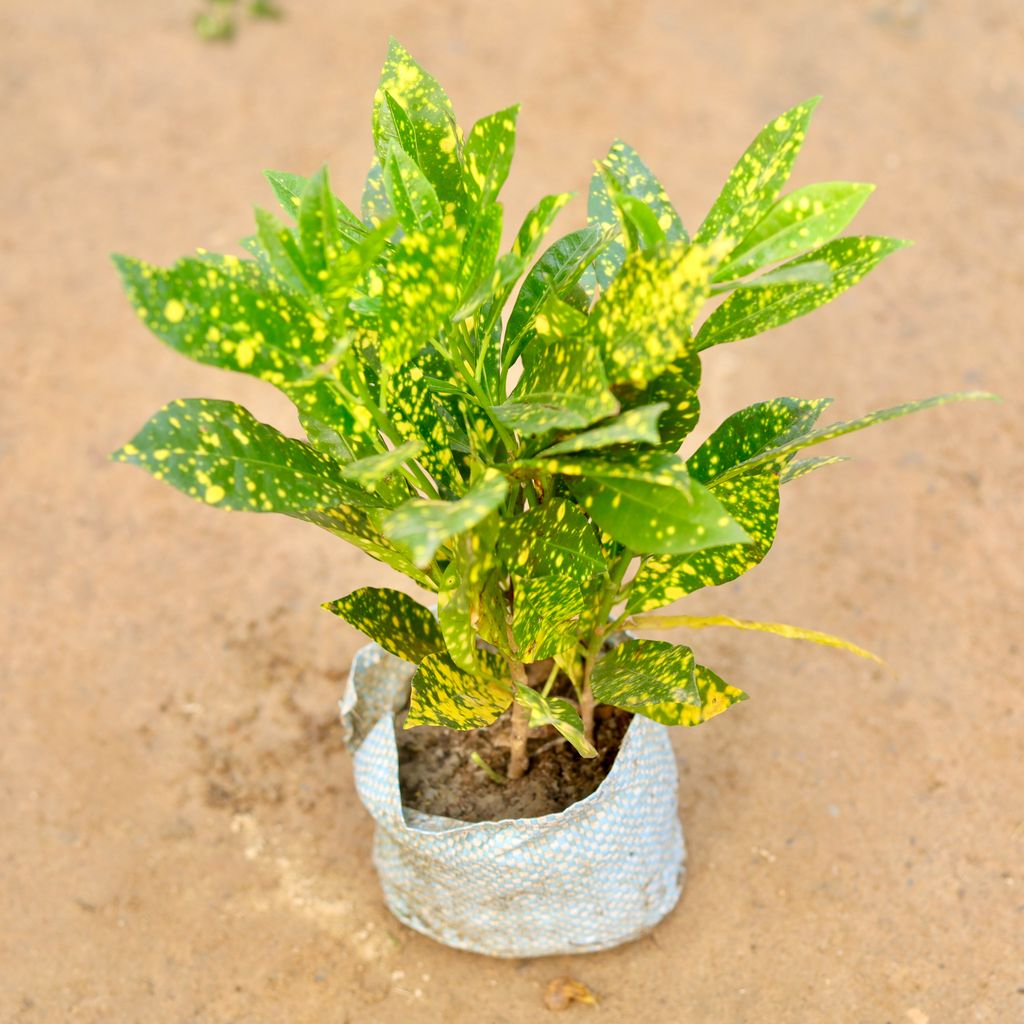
[417, 290]
[216, 452]
[556, 275]
[635, 426]
[642, 323]
[432, 121]
[716, 696]
[776, 628]
[676, 387]
[557, 712]
[563, 386]
[648, 677]
[392, 619]
[487, 157]
[781, 452]
[803, 220]
[757, 179]
[801, 467]
[545, 611]
[410, 194]
[443, 694]
[624, 169]
[754, 310]
[290, 188]
[422, 526]
[753, 502]
[554, 538]
[375, 205]
[372, 469]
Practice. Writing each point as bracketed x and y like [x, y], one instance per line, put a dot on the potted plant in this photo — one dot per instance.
[518, 459]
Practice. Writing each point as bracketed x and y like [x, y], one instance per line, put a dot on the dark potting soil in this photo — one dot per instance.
[436, 774]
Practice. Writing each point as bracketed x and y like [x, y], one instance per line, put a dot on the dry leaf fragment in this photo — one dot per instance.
[561, 992]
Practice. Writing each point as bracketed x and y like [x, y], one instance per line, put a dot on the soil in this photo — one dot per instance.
[437, 775]
[180, 839]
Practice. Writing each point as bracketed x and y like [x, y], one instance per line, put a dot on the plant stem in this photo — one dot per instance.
[608, 600]
[519, 759]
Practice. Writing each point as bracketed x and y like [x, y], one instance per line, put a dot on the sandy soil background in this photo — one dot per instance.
[180, 837]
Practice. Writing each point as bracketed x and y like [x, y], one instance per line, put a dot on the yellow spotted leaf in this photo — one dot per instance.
[444, 694]
[393, 620]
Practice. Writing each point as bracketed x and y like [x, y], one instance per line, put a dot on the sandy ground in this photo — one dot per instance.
[180, 837]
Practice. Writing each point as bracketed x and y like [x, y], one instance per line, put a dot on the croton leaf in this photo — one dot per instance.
[630, 177]
[648, 503]
[372, 469]
[781, 452]
[556, 274]
[279, 245]
[557, 712]
[375, 205]
[480, 252]
[563, 386]
[635, 426]
[432, 120]
[487, 157]
[411, 195]
[806, 218]
[754, 183]
[753, 310]
[423, 526]
[716, 696]
[676, 387]
[776, 628]
[444, 694]
[545, 611]
[753, 502]
[554, 538]
[649, 677]
[801, 467]
[290, 189]
[217, 452]
[642, 322]
[417, 290]
[750, 431]
[392, 619]
[319, 226]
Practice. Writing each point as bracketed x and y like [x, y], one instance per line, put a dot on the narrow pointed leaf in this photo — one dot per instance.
[754, 310]
[410, 194]
[372, 469]
[556, 712]
[423, 526]
[392, 619]
[757, 179]
[546, 611]
[648, 677]
[218, 453]
[487, 157]
[443, 694]
[636, 426]
[803, 220]
[777, 628]
[319, 227]
[642, 323]
[801, 467]
[555, 538]
[676, 387]
[290, 188]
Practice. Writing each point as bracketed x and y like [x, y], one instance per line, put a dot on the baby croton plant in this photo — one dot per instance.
[503, 427]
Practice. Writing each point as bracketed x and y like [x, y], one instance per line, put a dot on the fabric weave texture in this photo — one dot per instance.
[602, 872]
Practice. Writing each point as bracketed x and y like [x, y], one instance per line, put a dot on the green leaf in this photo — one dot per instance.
[545, 613]
[375, 205]
[432, 119]
[417, 291]
[479, 253]
[563, 386]
[554, 538]
[801, 467]
[636, 426]
[716, 696]
[676, 387]
[290, 188]
[806, 218]
[393, 620]
[753, 310]
[411, 196]
[753, 502]
[642, 227]
[648, 677]
[642, 323]
[632, 178]
[750, 431]
[780, 452]
[556, 274]
[372, 469]
[814, 272]
[319, 227]
[757, 179]
[443, 694]
[423, 526]
[284, 256]
[648, 503]
[556, 712]
[218, 453]
[487, 157]
[777, 628]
